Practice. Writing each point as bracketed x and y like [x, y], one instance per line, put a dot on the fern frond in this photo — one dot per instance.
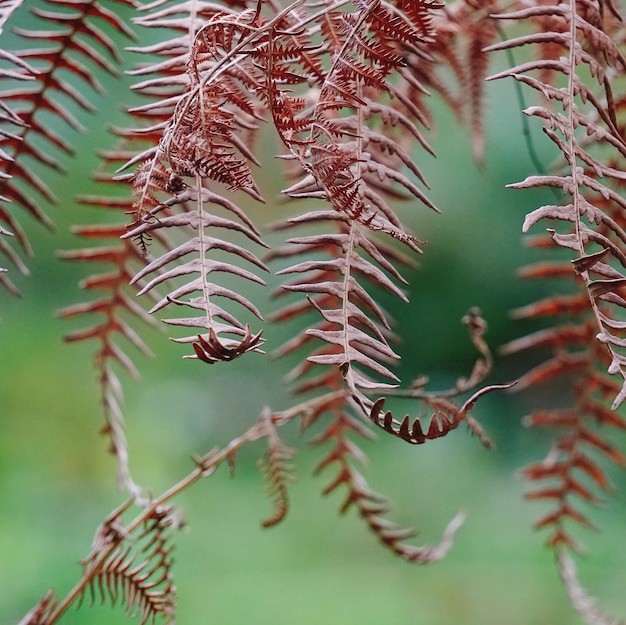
[354, 327]
[371, 507]
[74, 46]
[137, 571]
[114, 308]
[11, 125]
[277, 472]
[593, 184]
[464, 30]
[570, 471]
[345, 142]
[205, 120]
[39, 614]
[446, 415]
[579, 53]
[207, 347]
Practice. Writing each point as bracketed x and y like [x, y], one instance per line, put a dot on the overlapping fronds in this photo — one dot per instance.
[573, 476]
[202, 145]
[344, 87]
[68, 45]
[362, 125]
[589, 223]
[573, 469]
[589, 179]
[350, 345]
[577, 73]
[352, 153]
[353, 143]
[10, 125]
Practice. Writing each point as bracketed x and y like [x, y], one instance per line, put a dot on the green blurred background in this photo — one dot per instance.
[316, 568]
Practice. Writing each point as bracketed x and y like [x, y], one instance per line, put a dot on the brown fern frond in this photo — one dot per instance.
[39, 614]
[61, 67]
[574, 469]
[353, 327]
[593, 228]
[592, 182]
[349, 152]
[206, 115]
[463, 32]
[371, 506]
[446, 418]
[277, 473]
[137, 571]
[446, 415]
[199, 268]
[114, 308]
[580, 439]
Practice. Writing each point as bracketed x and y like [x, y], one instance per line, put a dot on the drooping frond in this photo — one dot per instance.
[277, 473]
[178, 185]
[67, 44]
[465, 29]
[115, 308]
[354, 144]
[10, 126]
[362, 124]
[576, 73]
[353, 328]
[588, 137]
[574, 469]
[197, 275]
[371, 507]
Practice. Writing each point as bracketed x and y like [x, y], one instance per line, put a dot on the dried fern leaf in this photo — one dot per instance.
[590, 55]
[113, 309]
[197, 275]
[68, 48]
[135, 570]
[371, 506]
[277, 473]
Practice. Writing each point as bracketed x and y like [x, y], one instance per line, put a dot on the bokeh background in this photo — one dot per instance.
[317, 567]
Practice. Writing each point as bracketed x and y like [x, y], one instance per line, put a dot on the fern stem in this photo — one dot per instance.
[202, 250]
[345, 302]
[89, 573]
[571, 127]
